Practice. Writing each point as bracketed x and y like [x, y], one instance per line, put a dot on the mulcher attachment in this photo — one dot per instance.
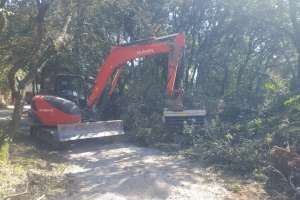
[186, 116]
[175, 114]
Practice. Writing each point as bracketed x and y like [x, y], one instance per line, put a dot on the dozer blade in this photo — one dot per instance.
[186, 116]
[86, 130]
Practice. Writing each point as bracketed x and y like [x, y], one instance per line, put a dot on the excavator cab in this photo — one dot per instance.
[72, 88]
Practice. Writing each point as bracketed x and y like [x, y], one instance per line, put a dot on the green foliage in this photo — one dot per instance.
[241, 67]
[234, 187]
[270, 86]
[4, 149]
[4, 146]
[141, 110]
[19, 170]
[260, 174]
[291, 100]
[243, 156]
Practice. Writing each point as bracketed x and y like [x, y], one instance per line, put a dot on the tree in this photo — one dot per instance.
[39, 49]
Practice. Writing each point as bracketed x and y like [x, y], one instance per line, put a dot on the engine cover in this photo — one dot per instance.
[51, 111]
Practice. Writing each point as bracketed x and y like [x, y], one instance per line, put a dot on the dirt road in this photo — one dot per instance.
[124, 171]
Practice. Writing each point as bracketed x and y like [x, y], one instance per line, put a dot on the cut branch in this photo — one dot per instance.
[20, 194]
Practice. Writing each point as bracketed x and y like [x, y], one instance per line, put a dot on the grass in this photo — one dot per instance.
[19, 170]
[31, 163]
[234, 187]
[3, 152]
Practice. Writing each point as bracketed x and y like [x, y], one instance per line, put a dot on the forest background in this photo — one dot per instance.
[242, 65]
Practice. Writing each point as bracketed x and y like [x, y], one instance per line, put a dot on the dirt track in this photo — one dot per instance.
[125, 171]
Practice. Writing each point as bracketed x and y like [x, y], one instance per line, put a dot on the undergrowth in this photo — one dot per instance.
[4, 146]
[34, 170]
[242, 128]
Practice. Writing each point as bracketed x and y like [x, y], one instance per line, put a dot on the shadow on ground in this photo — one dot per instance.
[124, 171]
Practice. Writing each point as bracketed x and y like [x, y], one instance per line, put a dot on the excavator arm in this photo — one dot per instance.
[126, 52]
[174, 112]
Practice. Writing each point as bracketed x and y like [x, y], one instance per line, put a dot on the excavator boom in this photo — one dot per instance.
[121, 54]
[174, 114]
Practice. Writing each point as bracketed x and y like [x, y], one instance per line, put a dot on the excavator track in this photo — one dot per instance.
[48, 135]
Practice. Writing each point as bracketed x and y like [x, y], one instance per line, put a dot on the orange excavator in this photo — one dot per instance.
[72, 112]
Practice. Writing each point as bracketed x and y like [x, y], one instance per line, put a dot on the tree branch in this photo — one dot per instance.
[39, 65]
[59, 41]
[20, 194]
[42, 9]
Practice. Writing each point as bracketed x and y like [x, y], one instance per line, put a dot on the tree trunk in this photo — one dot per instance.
[8, 134]
[224, 81]
[241, 71]
[196, 69]
[19, 64]
[33, 88]
[16, 116]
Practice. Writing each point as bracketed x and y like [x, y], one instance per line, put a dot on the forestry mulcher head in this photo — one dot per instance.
[175, 114]
[186, 116]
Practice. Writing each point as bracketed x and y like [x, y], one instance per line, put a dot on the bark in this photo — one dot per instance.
[36, 86]
[224, 81]
[244, 65]
[33, 88]
[190, 60]
[196, 69]
[16, 116]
